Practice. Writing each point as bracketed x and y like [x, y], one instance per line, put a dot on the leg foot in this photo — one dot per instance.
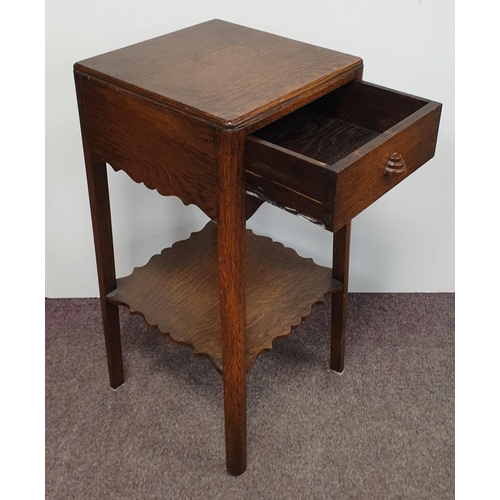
[111, 323]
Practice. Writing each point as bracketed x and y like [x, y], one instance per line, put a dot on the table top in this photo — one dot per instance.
[222, 72]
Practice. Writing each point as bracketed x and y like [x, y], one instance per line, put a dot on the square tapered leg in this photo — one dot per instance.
[340, 272]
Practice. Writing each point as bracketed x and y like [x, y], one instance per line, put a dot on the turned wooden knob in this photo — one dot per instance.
[396, 165]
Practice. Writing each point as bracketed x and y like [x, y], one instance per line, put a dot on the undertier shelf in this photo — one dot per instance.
[177, 292]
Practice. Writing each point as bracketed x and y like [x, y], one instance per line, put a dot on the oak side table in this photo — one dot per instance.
[227, 117]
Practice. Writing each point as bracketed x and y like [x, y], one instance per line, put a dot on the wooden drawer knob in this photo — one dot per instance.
[396, 165]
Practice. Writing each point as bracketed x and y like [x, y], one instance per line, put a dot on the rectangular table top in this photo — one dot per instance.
[222, 72]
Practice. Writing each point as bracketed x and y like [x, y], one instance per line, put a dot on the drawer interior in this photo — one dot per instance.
[337, 124]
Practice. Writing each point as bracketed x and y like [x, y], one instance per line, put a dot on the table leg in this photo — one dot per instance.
[231, 252]
[103, 240]
[341, 242]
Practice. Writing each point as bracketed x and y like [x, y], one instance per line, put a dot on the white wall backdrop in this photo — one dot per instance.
[402, 243]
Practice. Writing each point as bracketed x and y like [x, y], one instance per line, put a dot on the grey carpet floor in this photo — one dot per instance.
[382, 430]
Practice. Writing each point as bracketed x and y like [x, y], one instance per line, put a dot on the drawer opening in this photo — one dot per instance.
[328, 161]
[339, 123]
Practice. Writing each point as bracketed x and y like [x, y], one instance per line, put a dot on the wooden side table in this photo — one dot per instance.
[227, 117]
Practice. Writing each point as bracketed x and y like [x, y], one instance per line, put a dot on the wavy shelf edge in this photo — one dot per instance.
[177, 293]
[196, 352]
[251, 363]
[268, 348]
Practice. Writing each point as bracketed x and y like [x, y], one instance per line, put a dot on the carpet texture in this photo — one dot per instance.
[382, 430]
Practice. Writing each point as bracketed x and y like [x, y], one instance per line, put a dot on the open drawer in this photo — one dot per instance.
[334, 157]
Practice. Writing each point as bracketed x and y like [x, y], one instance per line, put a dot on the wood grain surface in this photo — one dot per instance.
[97, 184]
[327, 161]
[176, 113]
[361, 178]
[103, 241]
[340, 271]
[296, 171]
[231, 265]
[287, 199]
[371, 106]
[314, 132]
[163, 149]
[224, 73]
[178, 292]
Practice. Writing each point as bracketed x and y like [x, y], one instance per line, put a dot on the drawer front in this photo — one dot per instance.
[333, 158]
[367, 174]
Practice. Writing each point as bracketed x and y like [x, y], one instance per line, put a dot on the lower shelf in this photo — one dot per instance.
[178, 293]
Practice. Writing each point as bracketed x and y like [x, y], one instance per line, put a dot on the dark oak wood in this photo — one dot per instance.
[228, 75]
[340, 271]
[289, 200]
[301, 174]
[395, 165]
[97, 183]
[341, 140]
[316, 134]
[360, 176]
[177, 292]
[177, 113]
[306, 98]
[371, 106]
[164, 150]
[103, 240]
[231, 266]
[130, 134]
[252, 204]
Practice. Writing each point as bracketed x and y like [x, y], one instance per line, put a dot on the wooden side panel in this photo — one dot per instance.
[298, 184]
[360, 176]
[163, 149]
[288, 200]
[371, 106]
[294, 170]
